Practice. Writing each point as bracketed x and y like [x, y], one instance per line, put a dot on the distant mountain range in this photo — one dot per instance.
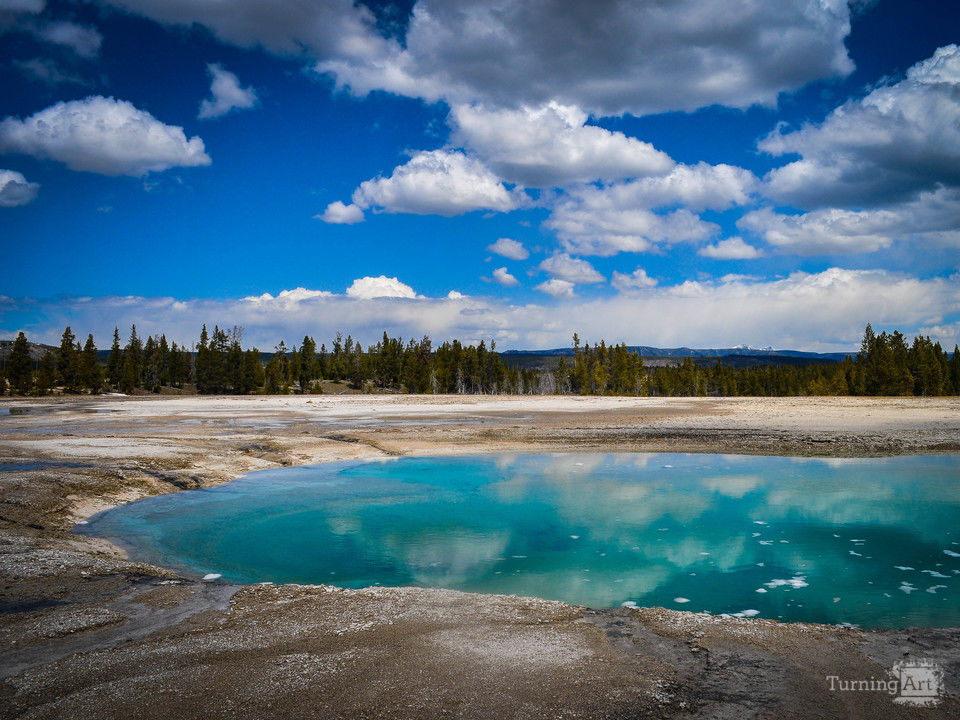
[682, 352]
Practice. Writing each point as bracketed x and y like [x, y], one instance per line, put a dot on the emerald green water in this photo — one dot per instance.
[872, 542]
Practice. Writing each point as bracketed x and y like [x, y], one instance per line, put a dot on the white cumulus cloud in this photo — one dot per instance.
[439, 182]
[557, 288]
[15, 189]
[629, 282]
[102, 135]
[574, 270]
[552, 145]
[898, 141]
[640, 215]
[226, 94]
[338, 213]
[731, 249]
[366, 288]
[508, 248]
[503, 277]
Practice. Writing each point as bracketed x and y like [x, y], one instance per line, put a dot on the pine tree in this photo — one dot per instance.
[19, 366]
[68, 362]
[115, 363]
[47, 373]
[91, 374]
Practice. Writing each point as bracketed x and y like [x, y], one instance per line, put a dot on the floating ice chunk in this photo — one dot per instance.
[835, 535]
[574, 537]
[796, 582]
[907, 588]
[933, 589]
[934, 573]
[766, 542]
[668, 466]
[759, 522]
[836, 600]
[681, 600]
[887, 595]
[855, 553]
[761, 564]
[82, 522]
[903, 567]
[704, 553]
[755, 534]
[519, 557]
[747, 613]
[212, 576]
[856, 540]
[785, 542]
[761, 590]
[951, 553]
[628, 604]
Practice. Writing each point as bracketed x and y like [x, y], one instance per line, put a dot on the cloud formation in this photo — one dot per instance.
[552, 145]
[898, 141]
[338, 213]
[822, 311]
[631, 282]
[102, 135]
[438, 182]
[574, 270]
[639, 216]
[225, 94]
[556, 287]
[932, 218]
[367, 288]
[730, 249]
[15, 190]
[512, 249]
[609, 57]
[500, 275]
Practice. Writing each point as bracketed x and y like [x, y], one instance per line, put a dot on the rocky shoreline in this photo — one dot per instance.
[84, 632]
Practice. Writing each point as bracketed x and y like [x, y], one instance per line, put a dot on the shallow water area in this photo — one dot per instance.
[872, 542]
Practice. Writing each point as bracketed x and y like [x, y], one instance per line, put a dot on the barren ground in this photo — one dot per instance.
[84, 633]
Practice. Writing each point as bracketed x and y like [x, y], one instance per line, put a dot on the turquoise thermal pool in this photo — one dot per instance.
[872, 542]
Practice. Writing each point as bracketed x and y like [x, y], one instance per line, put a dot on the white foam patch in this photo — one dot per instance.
[796, 582]
[759, 522]
[766, 542]
[668, 466]
[681, 600]
[628, 604]
[212, 576]
[907, 588]
[934, 573]
[82, 522]
[933, 589]
[951, 553]
[855, 554]
[856, 540]
[755, 534]
[903, 567]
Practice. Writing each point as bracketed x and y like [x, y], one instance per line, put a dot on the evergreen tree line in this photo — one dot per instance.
[885, 365]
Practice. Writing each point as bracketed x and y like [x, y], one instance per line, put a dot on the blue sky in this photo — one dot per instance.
[718, 173]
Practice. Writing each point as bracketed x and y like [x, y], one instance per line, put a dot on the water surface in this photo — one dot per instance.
[872, 542]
